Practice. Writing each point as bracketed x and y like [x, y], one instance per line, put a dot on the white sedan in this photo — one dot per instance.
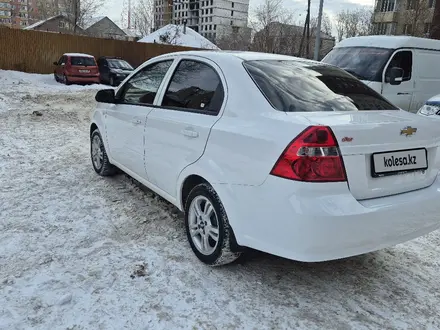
[288, 156]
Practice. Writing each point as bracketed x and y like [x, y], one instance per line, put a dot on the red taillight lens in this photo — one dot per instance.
[313, 156]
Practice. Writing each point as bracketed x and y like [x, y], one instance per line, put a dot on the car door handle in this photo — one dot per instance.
[136, 121]
[190, 133]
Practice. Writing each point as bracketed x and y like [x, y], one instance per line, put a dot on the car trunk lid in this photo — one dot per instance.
[384, 152]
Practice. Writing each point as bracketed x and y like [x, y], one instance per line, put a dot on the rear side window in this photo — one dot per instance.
[303, 86]
[82, 61]
[195, 86]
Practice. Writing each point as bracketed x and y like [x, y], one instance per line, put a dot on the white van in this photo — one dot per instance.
[405, 70]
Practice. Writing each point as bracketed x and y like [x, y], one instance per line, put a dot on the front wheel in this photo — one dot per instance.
[100, 161]
[207, 227]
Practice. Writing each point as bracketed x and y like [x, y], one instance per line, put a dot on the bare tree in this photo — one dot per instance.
[326, 24]
[76, 11]
[144, 16]
[416, 15]
[271, 27]
[79, 12]
[352, 23]
[236, 40]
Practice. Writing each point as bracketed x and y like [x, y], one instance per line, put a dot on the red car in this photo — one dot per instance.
[76, 68]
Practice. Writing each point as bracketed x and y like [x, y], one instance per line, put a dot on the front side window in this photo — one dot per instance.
[143, 86]
[402, 60]
[82, 61]
[62, 60]
[196, 86]
[365, 63]
[300, 86]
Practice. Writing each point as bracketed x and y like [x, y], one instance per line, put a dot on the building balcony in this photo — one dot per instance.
[385, 17]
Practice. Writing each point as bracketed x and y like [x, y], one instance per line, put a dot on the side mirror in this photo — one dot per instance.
[396, 76]
[106, 96]
[55, 63]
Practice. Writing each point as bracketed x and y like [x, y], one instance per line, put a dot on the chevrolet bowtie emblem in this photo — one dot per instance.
[408, 131]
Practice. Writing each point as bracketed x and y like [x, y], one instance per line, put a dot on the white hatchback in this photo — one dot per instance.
[288, 156]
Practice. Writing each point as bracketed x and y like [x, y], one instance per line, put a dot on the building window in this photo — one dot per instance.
[388, 5]
[232, 13]
[210, 10]
[211, 2]
[215, 27]
[232, 22]
[232, 5]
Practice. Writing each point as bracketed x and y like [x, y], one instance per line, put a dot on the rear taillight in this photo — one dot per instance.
[313, 156]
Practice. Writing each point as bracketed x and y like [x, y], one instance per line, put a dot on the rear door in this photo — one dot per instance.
[400, 95]
[59, 70]
[176, 133]
[125, 121]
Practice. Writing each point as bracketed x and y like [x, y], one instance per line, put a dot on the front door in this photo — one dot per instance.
[400, 95]
[125, 121]
[177, 132]
[59, 70]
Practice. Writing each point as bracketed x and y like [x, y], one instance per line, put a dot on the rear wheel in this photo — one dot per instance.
[100, 161]
[207, 227]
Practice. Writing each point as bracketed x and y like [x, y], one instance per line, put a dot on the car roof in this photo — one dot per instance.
[390, 42]
[238, 55]
[78, 54]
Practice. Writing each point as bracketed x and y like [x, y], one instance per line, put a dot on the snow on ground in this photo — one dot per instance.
[71, 244]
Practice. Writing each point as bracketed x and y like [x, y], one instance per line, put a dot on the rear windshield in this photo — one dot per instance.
[82, 61]
[298, 86]
[119, 64]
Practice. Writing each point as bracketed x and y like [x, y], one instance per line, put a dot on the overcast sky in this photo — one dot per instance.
[113, 8]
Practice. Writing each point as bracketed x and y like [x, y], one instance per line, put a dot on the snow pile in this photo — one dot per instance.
[174, 35]
[15, 86]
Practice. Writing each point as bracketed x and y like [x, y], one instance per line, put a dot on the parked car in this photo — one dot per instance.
[113, 70]
[431, 107]
[76, 68]
[284, 155]
[403, 69]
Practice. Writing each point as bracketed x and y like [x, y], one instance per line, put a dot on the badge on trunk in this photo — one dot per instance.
[408, 131]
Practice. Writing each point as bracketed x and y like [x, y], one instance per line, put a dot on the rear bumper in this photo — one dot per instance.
[319, 222]
[84, 79]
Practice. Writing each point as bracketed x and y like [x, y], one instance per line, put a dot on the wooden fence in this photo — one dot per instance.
[35, 52]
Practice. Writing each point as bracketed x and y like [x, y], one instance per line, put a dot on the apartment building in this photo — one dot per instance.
[22, 13]
[14, 13]
[211, 18]
[404, 17]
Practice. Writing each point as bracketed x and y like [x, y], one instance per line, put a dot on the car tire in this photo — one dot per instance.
[56, 77]
[100, 161]
[209, 235]
[65, 80]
